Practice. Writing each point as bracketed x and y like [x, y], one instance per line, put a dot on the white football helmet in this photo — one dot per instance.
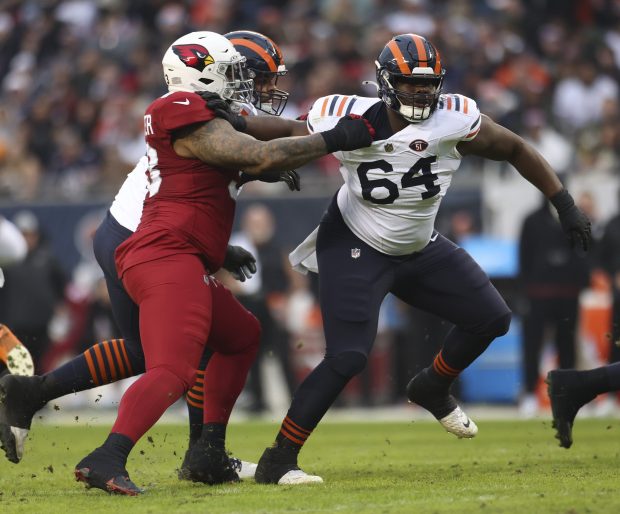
[207, 61]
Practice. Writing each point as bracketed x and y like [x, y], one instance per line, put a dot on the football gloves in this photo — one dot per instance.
[574, 222]
[350, 133]
[221, 109]
[240, 263]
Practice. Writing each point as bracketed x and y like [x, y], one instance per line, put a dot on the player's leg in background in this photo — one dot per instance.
[175, 319]
[352, 287]
[444, 280]
[569, 390]
[534, 322]
[234, 339]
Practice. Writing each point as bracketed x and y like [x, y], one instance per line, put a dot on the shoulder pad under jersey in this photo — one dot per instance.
[326, 111]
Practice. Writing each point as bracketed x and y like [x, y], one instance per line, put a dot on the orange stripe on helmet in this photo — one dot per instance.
[437, 68]
[419, 46]
[400, 60]
[259, 50]
[276, 48]
[465, 105]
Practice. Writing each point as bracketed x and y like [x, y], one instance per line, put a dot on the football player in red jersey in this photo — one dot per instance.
[116, 359]
[166, 265]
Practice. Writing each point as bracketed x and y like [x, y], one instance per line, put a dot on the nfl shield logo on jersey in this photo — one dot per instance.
[355, 253]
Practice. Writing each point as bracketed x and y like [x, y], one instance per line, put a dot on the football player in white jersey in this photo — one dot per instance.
[116, 359]
[377, 237]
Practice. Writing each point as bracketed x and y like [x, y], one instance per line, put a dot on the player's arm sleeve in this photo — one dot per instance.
[463, 120]
[473, 119]
[13, 247]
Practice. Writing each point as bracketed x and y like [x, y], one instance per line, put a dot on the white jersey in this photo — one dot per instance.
[127, 205]
[13, 246]
[394, 187]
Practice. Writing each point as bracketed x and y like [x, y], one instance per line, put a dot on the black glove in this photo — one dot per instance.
[221, 108]
[574, 222]
[290, 178]
[350, 133]
[239, 262]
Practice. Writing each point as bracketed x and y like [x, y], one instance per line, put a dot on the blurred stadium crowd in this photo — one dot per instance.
[76, 76]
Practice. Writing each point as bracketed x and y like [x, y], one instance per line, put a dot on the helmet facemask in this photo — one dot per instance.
[413, 107]
[237, 86]
[267, 97]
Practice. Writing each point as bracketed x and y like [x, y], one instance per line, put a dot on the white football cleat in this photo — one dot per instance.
[14, 354]
[297, 476]
[279, 466]
[243, 468]
[459, 424]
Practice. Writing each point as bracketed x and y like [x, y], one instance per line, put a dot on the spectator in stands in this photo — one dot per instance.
[552, 145]
[580, 97]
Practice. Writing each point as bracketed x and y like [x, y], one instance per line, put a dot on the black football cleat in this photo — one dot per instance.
[101, 471]
[279, 466]
[567, 396]
[208, 464]
[436, 399]
[20, 399]
[243, 468]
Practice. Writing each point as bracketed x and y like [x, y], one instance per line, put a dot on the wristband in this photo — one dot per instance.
[562, 200]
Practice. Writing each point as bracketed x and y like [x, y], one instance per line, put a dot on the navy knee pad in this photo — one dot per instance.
[347, 364]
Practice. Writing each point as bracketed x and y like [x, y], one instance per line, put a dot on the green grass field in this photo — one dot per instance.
[367, 467]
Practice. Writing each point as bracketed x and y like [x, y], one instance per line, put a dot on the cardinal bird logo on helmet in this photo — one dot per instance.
[193, 56]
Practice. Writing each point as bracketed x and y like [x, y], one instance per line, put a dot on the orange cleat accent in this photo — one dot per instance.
[14, 354]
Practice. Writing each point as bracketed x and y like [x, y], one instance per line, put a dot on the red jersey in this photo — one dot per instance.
[188, 208]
